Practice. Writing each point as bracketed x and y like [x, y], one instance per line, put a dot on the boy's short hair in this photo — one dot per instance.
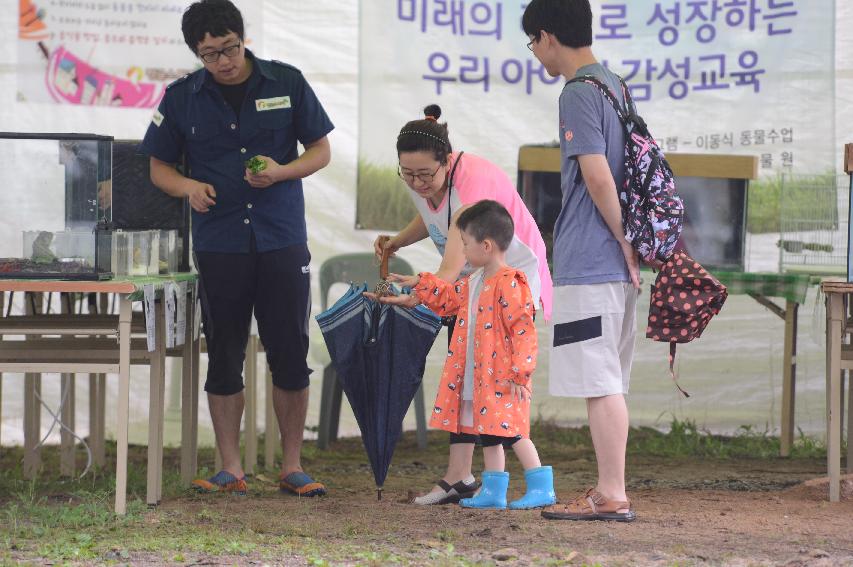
[570, 21]
[488, 219]
[215, 17]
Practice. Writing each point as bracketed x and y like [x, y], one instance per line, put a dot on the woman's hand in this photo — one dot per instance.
[389, 244]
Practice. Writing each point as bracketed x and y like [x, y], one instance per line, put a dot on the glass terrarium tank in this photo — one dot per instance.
[136, 252]
[56, 200]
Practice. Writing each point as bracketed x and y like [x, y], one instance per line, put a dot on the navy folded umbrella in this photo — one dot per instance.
[379, 352]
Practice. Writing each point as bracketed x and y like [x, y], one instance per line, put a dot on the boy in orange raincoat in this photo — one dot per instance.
[486, 384]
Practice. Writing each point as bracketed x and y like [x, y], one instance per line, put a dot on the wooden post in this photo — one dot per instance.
[835, 314]
[789, 378]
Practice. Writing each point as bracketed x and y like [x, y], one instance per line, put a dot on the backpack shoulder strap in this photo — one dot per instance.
[608, 94]
[629, 101]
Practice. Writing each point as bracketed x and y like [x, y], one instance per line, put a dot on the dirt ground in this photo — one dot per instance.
[691, 511]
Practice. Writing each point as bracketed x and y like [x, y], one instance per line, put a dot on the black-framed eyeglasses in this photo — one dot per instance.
[410, 177]
[530, 44]
[213, 56]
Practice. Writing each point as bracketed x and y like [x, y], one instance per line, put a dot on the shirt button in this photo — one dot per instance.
[242, 150]
[233, 126]
[249, 206]
[245, 221]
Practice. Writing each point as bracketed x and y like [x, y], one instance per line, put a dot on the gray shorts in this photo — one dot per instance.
[593, 332]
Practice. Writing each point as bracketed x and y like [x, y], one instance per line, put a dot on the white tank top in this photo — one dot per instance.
[475, 179]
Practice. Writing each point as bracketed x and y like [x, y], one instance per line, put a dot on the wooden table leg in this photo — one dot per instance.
[101, 452]
[68, 443]
[849, 424]
[32, 407]
[123, 404]
[196, 354]
[161, 403]
[155, 425]
[2, 314]
[187, 469]
[271, 440]
[789, 378]
[835, 314]
[251, 415]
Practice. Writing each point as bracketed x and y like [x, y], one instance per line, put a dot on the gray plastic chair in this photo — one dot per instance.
[358, 268]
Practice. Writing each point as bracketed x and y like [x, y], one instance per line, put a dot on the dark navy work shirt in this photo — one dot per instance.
[279, 110]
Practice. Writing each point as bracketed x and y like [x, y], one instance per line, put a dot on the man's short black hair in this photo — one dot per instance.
[570, 21]
[215, 17]
[488, 219]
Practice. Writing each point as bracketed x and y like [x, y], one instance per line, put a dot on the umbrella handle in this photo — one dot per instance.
[386, 254]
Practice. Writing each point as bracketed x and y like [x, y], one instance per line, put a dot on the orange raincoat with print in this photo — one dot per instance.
[505, 350]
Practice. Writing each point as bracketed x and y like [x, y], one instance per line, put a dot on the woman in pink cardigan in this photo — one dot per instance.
[443, 183]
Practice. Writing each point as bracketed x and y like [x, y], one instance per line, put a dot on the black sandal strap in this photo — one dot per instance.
[461, 487]
[444, 486]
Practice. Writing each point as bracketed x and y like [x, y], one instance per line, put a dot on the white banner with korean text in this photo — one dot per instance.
[728, 76]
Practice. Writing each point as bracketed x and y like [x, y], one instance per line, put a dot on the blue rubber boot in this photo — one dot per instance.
[492, 495]
[540, 490]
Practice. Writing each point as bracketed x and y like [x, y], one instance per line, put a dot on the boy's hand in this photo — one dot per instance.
[408, 300]
[517, 391]
[404, 281]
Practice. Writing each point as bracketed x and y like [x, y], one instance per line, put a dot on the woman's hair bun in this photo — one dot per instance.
[433, 110]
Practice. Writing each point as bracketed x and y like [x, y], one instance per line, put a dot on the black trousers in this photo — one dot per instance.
[276, 286]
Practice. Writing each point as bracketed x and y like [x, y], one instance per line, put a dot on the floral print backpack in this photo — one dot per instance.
[652, 210]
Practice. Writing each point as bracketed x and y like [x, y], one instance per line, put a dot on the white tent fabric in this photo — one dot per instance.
[321, 38]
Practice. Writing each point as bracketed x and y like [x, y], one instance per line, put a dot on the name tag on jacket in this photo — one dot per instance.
[274, 103]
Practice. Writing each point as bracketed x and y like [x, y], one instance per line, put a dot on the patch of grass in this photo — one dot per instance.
[683, 439]
[686, 439]
[383, 202]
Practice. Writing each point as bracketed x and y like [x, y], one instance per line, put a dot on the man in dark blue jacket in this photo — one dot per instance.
[249, 234]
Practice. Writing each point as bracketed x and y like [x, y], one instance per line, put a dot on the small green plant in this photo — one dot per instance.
[256, 164]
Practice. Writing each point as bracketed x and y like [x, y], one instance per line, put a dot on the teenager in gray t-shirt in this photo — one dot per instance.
[585, 250]
[596, 271]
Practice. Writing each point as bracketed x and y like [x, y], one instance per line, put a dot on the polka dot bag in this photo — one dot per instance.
[684, 298]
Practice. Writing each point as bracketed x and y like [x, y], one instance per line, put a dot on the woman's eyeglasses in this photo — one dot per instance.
[409, 177]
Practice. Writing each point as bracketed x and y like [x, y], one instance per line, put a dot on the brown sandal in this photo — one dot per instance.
[592, 505]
